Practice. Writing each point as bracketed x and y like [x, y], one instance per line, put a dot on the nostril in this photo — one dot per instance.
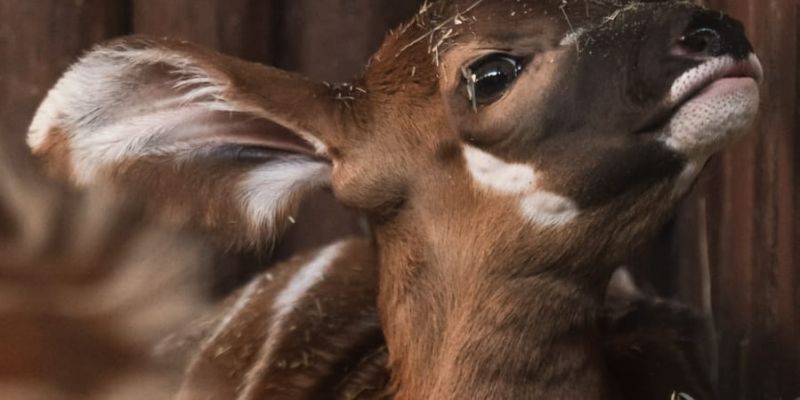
[710, 34]
[703, 42]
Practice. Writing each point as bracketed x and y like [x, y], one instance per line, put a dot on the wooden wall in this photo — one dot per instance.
[735, 243]
[327, 39]
[744, 223]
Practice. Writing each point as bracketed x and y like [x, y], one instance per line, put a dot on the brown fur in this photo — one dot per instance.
[652, 347]
[659, 348]
[326, 346]
[204, 205]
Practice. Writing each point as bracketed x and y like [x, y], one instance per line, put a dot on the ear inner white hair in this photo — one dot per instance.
[271, 189]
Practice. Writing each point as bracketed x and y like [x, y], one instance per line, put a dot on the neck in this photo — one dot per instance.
[483, 336]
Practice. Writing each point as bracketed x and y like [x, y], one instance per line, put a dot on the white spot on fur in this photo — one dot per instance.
[303, 281]
[549, 209]
[241, 303]
[536, 205]
[271, 189]
[680, 396]
[572, 37]
[623, 285]
[688, 176]
[496, 174]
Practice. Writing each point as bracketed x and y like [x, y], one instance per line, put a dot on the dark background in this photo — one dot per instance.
[737, 237]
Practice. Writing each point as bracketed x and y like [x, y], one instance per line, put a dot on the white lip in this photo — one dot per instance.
[713, 70]
[721, 86]
[713, 103]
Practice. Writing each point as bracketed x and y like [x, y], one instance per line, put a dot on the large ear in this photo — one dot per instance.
[202, 138]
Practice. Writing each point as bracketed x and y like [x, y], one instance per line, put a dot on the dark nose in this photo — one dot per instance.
[711, 34]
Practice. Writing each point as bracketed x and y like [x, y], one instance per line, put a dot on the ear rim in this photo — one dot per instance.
[234, 85]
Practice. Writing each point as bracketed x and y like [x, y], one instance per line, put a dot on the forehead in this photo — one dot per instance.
[514, 20]
[501, 23]
[523, 10]
[461, 30]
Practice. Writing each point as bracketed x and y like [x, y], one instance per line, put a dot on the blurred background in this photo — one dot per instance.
[733, 249]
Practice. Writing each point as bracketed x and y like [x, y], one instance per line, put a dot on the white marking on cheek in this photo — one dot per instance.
[537, 206]
[496, 174]
[303, 281]
[548, 209]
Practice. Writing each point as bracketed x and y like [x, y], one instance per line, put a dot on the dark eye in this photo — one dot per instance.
[490, 77]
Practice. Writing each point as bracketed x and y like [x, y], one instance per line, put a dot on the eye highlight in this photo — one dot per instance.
[490, 77]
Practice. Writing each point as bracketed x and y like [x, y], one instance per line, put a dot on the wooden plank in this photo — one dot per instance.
[38, 41]
[794, 284]
[332, 39]
[753, 225]
[242, 28]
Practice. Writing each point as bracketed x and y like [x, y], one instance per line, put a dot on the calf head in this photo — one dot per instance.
[546, 130]
[547, 139]
[507, 153]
